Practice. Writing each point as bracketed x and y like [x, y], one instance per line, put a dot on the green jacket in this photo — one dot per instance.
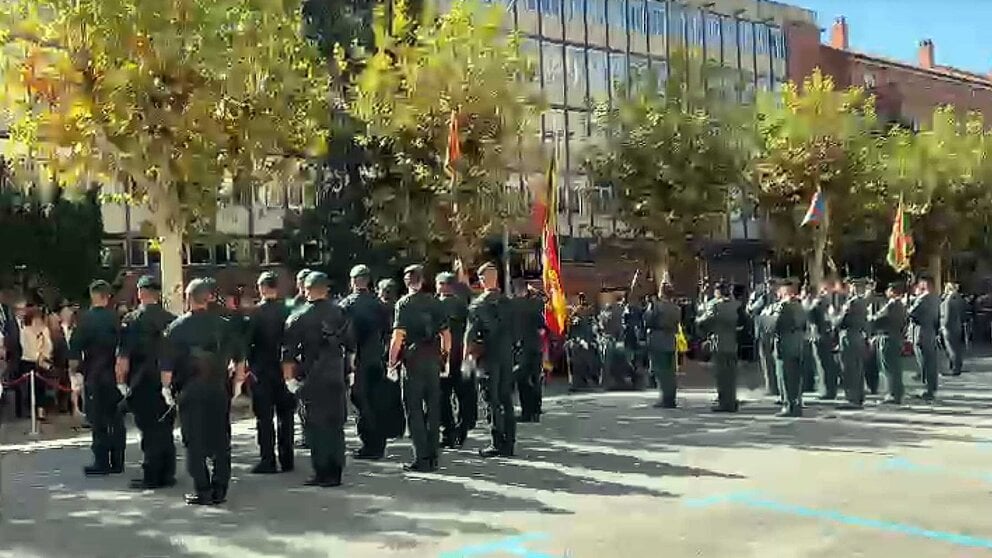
[924, 313]
[816, 315]
[852, 319]
[952, 313]
[790, 329]
[890, 320]
[423, 318]
[719, 322]
[661, 320]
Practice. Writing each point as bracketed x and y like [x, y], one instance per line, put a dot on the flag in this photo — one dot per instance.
[817, 209]
[900, 241]
[556, 307]
[454, 151]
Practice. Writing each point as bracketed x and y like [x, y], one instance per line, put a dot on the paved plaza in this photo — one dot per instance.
[602, 475]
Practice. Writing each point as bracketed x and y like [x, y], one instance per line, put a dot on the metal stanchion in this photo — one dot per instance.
[34, 406]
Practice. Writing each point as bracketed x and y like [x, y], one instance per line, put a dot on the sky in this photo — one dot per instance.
[960, 29]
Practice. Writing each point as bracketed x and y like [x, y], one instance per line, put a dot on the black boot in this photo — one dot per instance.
[264, 468]
[117, 462]
[96, 470]
[367, 454]
[199, 499]
[286, 465]
[419, 466]
[219, 495]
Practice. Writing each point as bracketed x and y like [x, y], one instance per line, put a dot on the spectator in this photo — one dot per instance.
[36, 357]
[68, 318]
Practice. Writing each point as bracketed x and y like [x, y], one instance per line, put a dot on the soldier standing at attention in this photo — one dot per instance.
[719, 322]
[760, 308]
[662, 322]
[422, 340]
[875, 303]
[365, 312]
[297, 303]
[822, 342]
[889, 324]
[490, 340]
[138, 361]
[924, 315]
[392, 392]
[459, 402]
[94, 342]
[528, 369]
[271, 400]
[317, 340]
[951, 320]
[199, 345]
[851, 320]
[790, 336]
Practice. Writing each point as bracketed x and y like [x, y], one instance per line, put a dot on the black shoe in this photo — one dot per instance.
[490, 451]
[168, 483]
[419, 466]
[219, 496]
[723, 409]
[666, 404]
[367, 454]
[96, 470]
[287, 466]
[850, 406]
[145, 484]
[200, 499]
[925, 396]
[264, 468]
[889, 400]
[828, 397]
[789, 413]
[448, 442]
[302, 445]
[323, 482]
[459, 441]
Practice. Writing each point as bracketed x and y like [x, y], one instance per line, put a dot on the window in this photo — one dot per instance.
[638, 20]
[656, 18]
[618, 73]
[763, 83]
[869, 80]
[310, 252]
[659, 68]
[138, 252]
[638, 72]
[746, 30]
[551, 8]
[554, 72]
[575, 68]
[531, 5]
[112, 253]
[272, 195]
[761, 38]
[777, 43]
[295, 195]
[676, 24]
[712, 33]
[599, 77]
[575, 10]
[198, 254]
[694, 23]
[597, 12]
[615, 13]
[729, 39]
[270, 252]
[226, 254]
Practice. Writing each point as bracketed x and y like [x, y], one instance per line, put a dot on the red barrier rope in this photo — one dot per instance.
[27, 377]
[17, 382]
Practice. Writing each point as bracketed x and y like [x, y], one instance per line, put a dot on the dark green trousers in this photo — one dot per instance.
[852, 359]
[790, 381]
[872, 369]
[663, 369]
[422, 397]
[725, 369]
[275, 418]
[766, 356]
[155, 422]
[808, 363]
[325, 410]
[926, 359]
[107, 421]
[955, 349]
[496, 391]
[528, 373]
[826, 366]
[890, 364]
[368, 397]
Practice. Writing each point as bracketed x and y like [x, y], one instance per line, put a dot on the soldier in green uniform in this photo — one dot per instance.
[889, 325]
[489, 342]
[806, 351]
[459, 401]
[271, 400]
[951, 324]
[610, 328]
[924, 316]
[875, 303]
[392, 392]
[318, 338]
[94, 343]
[719, 322]
[138, 361]
[790, 337]
[199, 346]
[369, 324]
[585, 365]
[422, 340]
[528, 369]
[760, 308]
[299, 301]
[822, 341]
[851, 320]
[661, 319]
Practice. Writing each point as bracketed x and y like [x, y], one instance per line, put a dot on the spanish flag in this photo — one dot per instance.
[454, 151]
[556, 307]
[900, 241]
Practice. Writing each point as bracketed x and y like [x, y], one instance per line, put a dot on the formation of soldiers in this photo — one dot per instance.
[423, 362]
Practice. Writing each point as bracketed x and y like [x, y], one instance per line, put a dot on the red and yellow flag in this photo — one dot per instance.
[900, 241]
[556, 307]
[454, 151]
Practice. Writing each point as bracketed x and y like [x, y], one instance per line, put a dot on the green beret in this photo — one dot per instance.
[413, 269]
[317, 279]
[150, 283]
[445, 278]
[302, 275]
[198, 287]
[100, 286]
[360, 270]
[268, 279]
[387, 284]
[486, 267]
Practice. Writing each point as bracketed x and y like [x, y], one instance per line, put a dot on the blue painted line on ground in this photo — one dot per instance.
[512, 545]
[751, 501]
[902, 464]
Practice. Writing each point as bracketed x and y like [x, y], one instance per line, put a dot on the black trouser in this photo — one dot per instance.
[368, 398]
[496, 390]
[326, 409]
[954, 348]
[422, 397]
[872, 369]
[155, 421]
[107, 421]
[271, 401]
[205, 411]
[459, 399]
[527, 372]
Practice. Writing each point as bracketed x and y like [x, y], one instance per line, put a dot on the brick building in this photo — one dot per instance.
[905, 92]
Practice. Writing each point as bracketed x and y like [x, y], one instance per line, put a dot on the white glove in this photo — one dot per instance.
[468, 366]
[167, 395]
[393, 373]
[123, 389]
[293, 385]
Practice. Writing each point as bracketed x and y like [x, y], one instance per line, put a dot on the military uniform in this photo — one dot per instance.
[951, 321]
[719, 322]
[271, 400]
[924, 315]
[528, 368]
[874, 303]
[369, 324]
[889, 324]
[634, 335]
[141, 343]
[423, 318]
[459, 397]
[822, 345]
[317, 339]
[761, 309]
[394, 421]
[852, 320]
[585, 364]
[490, 337]
[661, 319]
[199, 345]
[790, 338]
[94, 342]
[616, 366]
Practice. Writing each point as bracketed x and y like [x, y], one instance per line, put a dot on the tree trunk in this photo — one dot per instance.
[171, 245]
[935, 265]
[814, 260]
